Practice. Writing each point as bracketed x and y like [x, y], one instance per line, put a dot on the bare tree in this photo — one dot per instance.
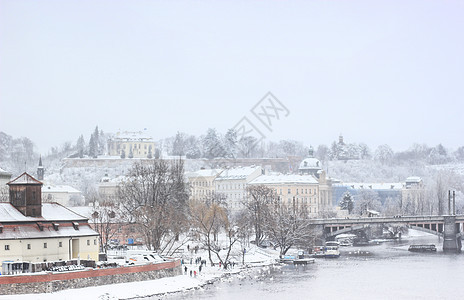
[106, 223]
[288, 227]
[367, 200]
[208, 217]
[257, 206]
[155, 197]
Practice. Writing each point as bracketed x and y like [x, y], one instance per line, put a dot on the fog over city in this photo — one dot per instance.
[377, 72]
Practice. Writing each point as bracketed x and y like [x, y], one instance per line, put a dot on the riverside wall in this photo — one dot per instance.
[53, 282]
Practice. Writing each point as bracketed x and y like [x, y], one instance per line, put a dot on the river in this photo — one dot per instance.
[390, 272]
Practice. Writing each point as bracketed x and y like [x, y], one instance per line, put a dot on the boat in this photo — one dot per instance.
[332, 249]
[345, 243]
[422, 248]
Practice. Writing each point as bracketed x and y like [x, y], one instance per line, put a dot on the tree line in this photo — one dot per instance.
[155, 198]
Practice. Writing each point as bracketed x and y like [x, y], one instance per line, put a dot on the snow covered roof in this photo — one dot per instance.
[413, 179]
[3, 172]
[60, 189]
[373, 186]
[24, 179]
[310, 163]
[285, 179]
[50, 212]
[203, 173]
[30, 231]
[133, 136]
[238, 173]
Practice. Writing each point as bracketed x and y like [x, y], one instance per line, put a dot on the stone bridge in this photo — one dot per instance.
[451, 227]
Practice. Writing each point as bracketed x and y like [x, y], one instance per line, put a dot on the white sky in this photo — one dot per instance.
[376, 71]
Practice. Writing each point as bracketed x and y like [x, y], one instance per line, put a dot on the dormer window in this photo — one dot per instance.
[56, 226]
[75, 225]
[40, 225]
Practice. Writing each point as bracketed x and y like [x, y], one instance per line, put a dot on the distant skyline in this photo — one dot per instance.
[378, 72]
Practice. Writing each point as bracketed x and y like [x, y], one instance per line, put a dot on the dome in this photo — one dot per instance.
[310, 163]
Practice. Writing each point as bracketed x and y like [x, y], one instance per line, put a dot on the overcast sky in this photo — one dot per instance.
[376, 71]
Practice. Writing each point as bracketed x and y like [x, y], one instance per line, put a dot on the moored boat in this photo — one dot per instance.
[422, 248]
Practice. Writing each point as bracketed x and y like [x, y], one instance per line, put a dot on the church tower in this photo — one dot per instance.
[40, 170]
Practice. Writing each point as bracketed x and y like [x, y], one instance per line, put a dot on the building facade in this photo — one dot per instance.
[298, 191]
[232, 183]
[201, 183]
[131, 145]
[34, 231]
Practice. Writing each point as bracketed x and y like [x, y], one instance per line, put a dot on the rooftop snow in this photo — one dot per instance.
[132, 136]
[374, 186]
[414, 179]
[24, 179]
[50, 212]
[237, 173]
[31, 232]
[285, 179]
[60, 189]
[203, 173]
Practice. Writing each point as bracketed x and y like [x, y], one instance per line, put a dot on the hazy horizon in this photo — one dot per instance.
[376, 72]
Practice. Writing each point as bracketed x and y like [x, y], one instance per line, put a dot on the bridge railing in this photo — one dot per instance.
[399, 219]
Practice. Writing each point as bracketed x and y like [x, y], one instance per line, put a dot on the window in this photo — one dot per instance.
[45, 245]
[297, 191]
[88, 242]
[289, 191]
[95, 241]
[7, 247]
[60, 244]
[29, 246]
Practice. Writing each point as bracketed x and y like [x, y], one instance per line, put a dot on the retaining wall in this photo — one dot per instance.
[52, 282]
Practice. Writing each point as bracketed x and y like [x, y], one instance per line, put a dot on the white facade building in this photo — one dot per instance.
[232, 183]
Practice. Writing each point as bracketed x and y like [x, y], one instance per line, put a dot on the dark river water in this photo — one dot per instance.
[390, 272]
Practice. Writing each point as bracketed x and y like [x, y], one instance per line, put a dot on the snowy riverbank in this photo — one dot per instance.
[160, 287]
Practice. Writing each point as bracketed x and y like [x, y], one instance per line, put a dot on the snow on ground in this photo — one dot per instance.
[253, 258]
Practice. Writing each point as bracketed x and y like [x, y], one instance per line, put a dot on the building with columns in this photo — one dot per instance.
[129, 144]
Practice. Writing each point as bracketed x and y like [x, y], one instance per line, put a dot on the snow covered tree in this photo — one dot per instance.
[212, 145]
[93, 144]
[230, 143]
[102, 142]
[364, 151]
[247, 146]
[384, 154]
[178, 146]
[322, 152]
[288, 227]
[347, 202]
[80, 146]
[367, 200]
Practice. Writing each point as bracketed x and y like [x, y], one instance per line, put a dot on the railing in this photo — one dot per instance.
[400, 219]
